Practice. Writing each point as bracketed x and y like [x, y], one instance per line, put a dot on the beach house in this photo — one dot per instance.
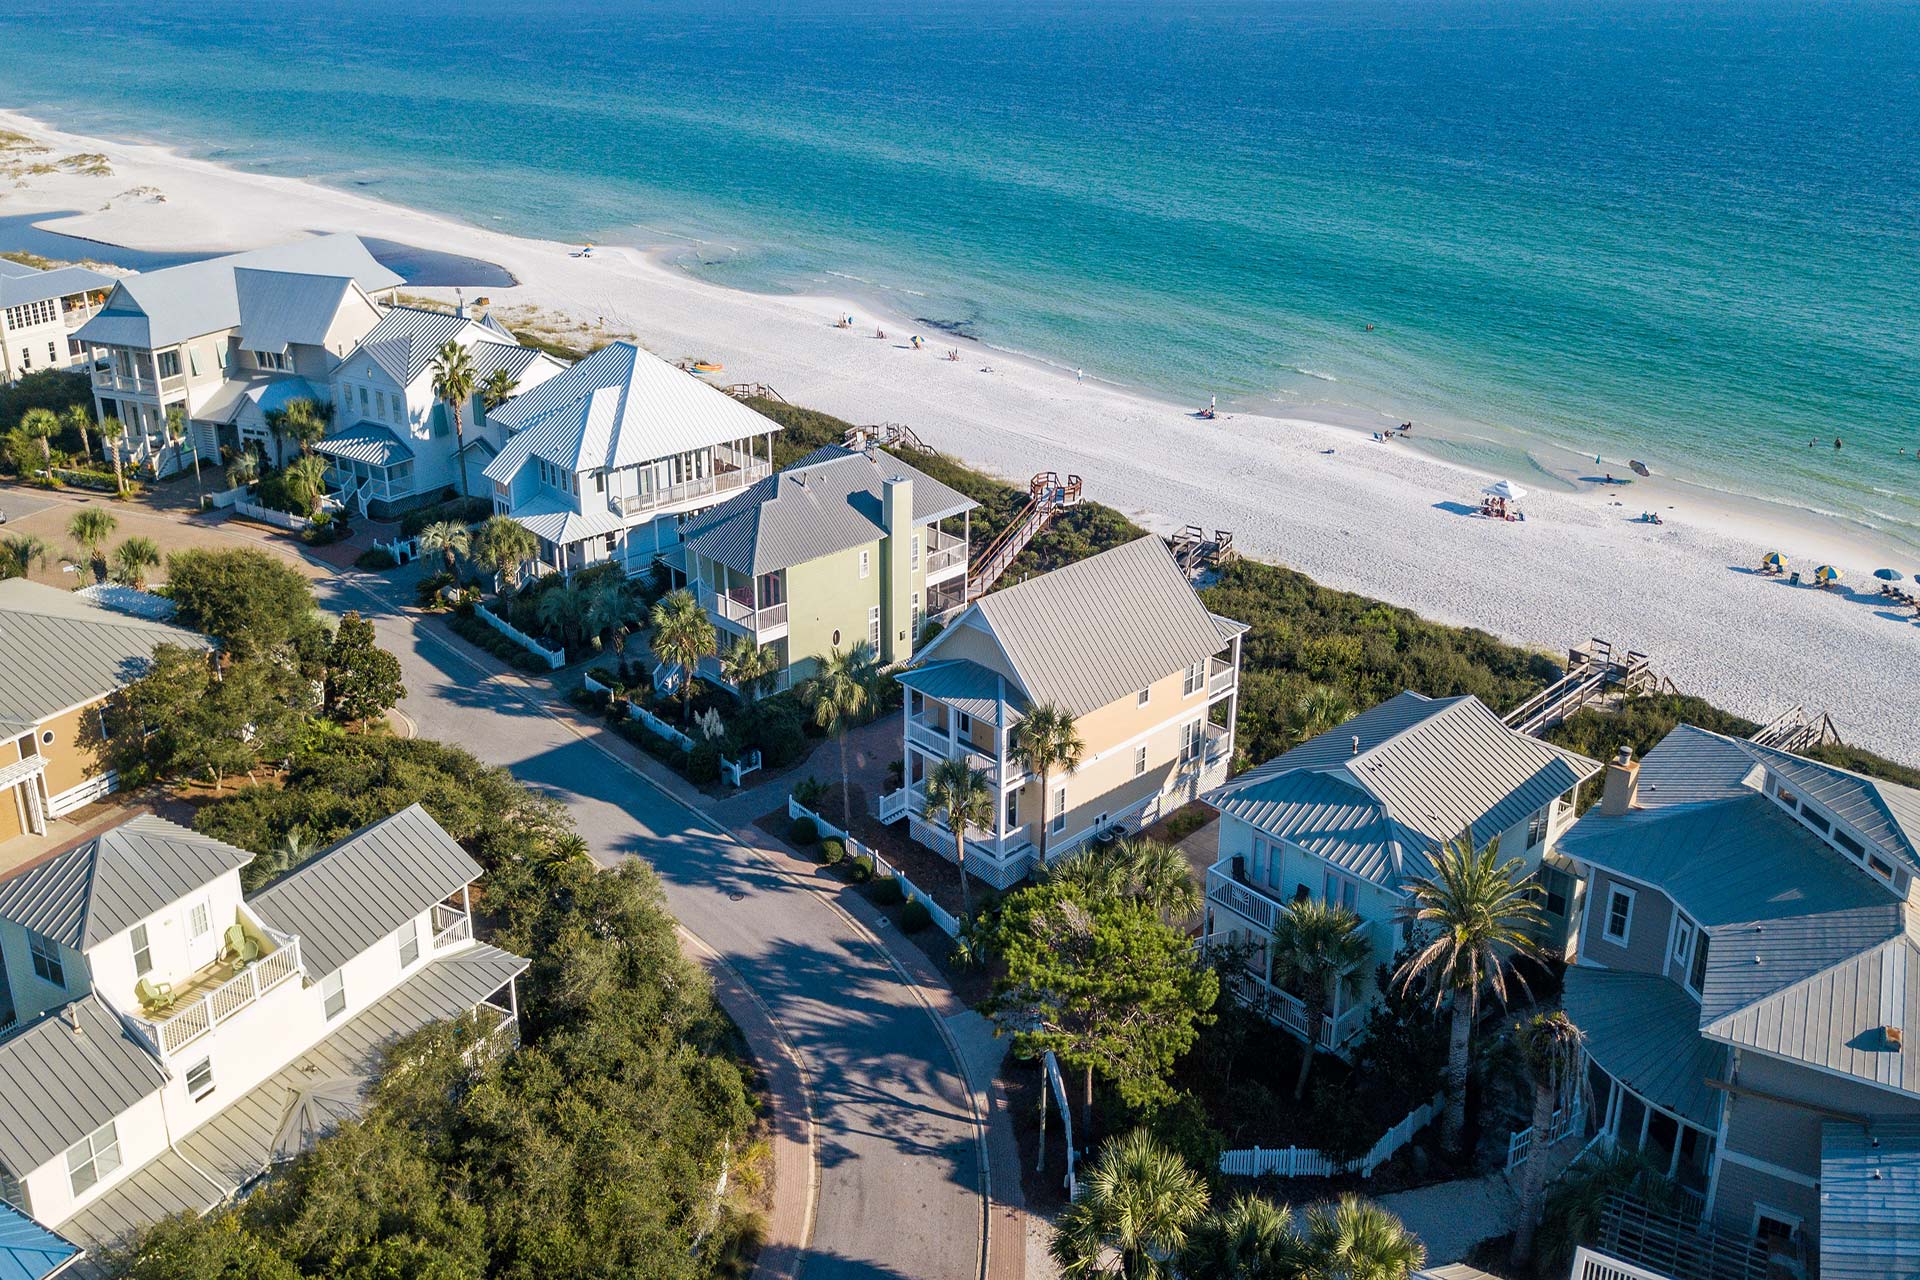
[62, 656]
[1119, 642]
[600, 462]
[392, 443]
[168, 1038]
[840, 549]
[1349, 817]
[39, 312]
[1748, 986]
[227, 341]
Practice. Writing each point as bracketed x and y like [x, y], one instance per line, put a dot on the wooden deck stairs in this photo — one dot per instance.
[1796, 730]
[1595, 673]
[1197, 554]
[753, 391]
[885, 435]
[1047, 497]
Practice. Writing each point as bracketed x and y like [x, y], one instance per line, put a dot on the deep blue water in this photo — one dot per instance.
[1687, 232]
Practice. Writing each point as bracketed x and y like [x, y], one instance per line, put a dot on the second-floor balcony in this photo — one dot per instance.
[929, 735]
[451, 925]
[1249, 903]
[177, 1014]
[1221, 676]
[723, 480]
[946, 555]
[136, 381]
[738, 607]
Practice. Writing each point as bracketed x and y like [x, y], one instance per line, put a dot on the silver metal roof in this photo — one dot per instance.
[1886, 813]
[61, 1085]
[270, 391]
[1329, 814]
[112, 882]
[618, 407]
[20, 283]
[1099, 629]
[1870, 1199]
[408, 339]
[62, 651]
[367, 442]
[280, 308]
[970, 688]
[548, 516]
[1645, 1032]
[827, 502]
[363, 888]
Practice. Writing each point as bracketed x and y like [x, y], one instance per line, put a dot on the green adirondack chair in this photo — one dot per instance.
[153, 996]
[241, 950]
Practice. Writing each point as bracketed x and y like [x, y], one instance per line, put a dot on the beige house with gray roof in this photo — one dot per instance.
[1122, 643]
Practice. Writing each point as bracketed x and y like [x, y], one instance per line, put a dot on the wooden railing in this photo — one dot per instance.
[1047, 497]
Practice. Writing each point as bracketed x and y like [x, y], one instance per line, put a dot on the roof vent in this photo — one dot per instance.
[1356, 744]
[72, 1014]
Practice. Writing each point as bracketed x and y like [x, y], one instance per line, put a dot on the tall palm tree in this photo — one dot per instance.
[178, 432]
[453, 383]
[842, 688]
[1251, 1239]
[309, 473]
[81, 421]
[497, 389]
[682, 635]
[1481, 912]
[132, 559]
[1137, 1200]
[1549, 1044]
[112, 432]
[748, 666]
[610, 609]
[448, 537]
[1317, 947]
[41, 424]
[503, 545]
[306, 422]
[91, 527]
[1355, 1239]
[19, 552]
[1137, 869]
[1044, 741]
[958, 795]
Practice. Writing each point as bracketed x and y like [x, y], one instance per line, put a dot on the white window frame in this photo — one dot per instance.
[1606, 920]
[1196, 679]
[1682, 937]
[13, 1191]
[88, 1154]
[873, 627]
[43, 951]
[200, 919]
[1057, 820]
[1139, 759]
[333, 989]
[1011, 806]
[1340, 890]
[203, 1069]
[407, 938]
[1792, 1221]
[1145, 696]
[866, 562]
[142, 950]
[913, 556]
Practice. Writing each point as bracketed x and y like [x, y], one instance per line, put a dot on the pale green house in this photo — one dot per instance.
[841, 548]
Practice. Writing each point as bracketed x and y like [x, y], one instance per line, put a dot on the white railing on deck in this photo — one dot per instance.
[1308, 1162]
[450, 925]
[198, 1016]
[1565, 1121]
[894, 805]
[1243, 900]
[1591, 1264]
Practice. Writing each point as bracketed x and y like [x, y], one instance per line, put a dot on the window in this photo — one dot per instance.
[380, 405]
[915, 633]
[169, 362]
[142, 953]
[1772, 1227]
[1537, 829]
[1851, 845]
[277, 360]
[26, 357]
[1139, 759]
[1697, 971]
[1195, 737]
[333, 994]
[1619, 914]
[1785, 796]
[365, 411]
[1013, 808]
[1196, 677]
[873, 627]
[835, 640]
[200, 1079]
[913, 555]
[1059, 820]
[198, 920]
[1146, 696]
[1817, 821]
[93, 1157]
[46, 959]
[408, 936]
[14, 1192]
[966, 725]
[53, 353]
[866, 562]
[1558, 886]
[1881, 867]
[1342, 892]
[1680, 950]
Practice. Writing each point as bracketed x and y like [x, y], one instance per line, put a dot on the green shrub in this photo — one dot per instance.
[861, 869]
[469, 511]
[427, 590]
[914, 916]
[887, 891]
[778, 729]
[703, 763]
[809, 792]
[832, 852]
[375, 560]
[803, 833]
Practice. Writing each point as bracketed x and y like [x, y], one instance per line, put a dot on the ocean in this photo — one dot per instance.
[1680, 231]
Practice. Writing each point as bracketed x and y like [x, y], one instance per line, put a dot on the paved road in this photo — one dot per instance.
[898, 1145]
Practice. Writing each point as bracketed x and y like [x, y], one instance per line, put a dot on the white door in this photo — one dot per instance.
[203, 940]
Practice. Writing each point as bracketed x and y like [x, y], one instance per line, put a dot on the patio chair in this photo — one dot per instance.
[153, 996]
[241, 949]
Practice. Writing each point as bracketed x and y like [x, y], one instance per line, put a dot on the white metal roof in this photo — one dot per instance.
[61, 650]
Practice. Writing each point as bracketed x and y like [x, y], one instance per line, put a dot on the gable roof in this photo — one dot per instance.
[615, 408]
[278, 308]
[28, 1251]
[366, 886]
[827, 502]
[1096, 630]
[1884, 812]
[160, 308]
[62, 1084]
[20, 283]
[406, 341]
[366, 441]
[62, 650]
[112, 882]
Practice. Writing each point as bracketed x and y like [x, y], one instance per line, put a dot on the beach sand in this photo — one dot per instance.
[1382, 519]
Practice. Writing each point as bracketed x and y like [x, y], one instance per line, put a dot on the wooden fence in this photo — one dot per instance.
[949, 925]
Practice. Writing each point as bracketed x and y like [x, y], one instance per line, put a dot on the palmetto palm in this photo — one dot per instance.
[682, 635]
[309, 473]
[1137, 1202]
[132, 559]
[1481, 912]
[497, 389]
[1319, 709]
[244, 469]
[19, 552]
[1549, 1044]
[840, 690]
[564, 611]
[1251, 1239]
[503, 545]
[112, 431]
[448, 537]
[91, 527]
[1044, 741]
[1137, 869]
[1317, 946]
[41, 424]
[453, 383]
[610, 609]
[305, 421]
[958, 795]
[748, 666]
[81, 421]
[1355, 1239]
[177, 432]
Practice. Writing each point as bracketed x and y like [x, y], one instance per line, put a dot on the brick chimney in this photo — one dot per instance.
[1622, 791]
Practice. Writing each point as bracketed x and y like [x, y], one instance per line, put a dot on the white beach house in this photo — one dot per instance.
[39, 312]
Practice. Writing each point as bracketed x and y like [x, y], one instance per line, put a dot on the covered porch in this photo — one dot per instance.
[1242, 917]
[369, 467]
[949, 709]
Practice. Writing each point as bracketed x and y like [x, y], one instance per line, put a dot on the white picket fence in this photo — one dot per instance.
[949, 925]
[554, 661]
[1565, 1121]
[226, 498]
[637, 712]
[1308, 1162]
[267, 515]
[734, 770]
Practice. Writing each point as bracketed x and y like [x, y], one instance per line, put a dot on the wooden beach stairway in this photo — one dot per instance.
[1595, 672]
[1796, 730]
[885, 435]
[1046, 498]
[1197, 554]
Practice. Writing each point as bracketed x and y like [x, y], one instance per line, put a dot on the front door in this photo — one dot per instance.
[203, 940]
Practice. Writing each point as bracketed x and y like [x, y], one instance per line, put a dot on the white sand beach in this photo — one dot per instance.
[1382, 519]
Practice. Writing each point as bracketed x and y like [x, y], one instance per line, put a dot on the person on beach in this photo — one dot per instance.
[1079, 375]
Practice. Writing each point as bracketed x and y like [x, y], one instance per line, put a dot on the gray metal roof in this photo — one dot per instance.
[112, 882]
[279, 308]
[62, 651]
[1886, 813]
[270, 391]
[1644, 1031]
[618, 407]
[1099, 629]
[407, 339]
[28, 1251]
[1329, 814]
[1870, 1199]
[63, 1084]
[367, 442]
[20, 283]
[1690, 765]
[354, 894]
[969, 687]
[161, 308]
[827, 502]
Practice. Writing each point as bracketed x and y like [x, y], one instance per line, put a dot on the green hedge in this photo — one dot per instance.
[914, 916]
[459, 510]
[832, 852]
[482, 636]
[803, 833]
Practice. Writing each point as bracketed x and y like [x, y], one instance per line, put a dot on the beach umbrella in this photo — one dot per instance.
[1506, 489]
[1639, 467]
[1888, 575]
[1826, 573]
[1774, 560]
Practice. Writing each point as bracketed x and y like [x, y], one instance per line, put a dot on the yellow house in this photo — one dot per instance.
[61, 657]
[1122, 643]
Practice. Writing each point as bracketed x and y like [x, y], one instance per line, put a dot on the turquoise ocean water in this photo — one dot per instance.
[1681, 231]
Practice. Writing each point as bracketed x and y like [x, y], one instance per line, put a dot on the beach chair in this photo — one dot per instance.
[153, 996]
[241, 949]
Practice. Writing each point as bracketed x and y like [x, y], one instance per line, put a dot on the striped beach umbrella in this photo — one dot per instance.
[1826, 573]
[1774, 560]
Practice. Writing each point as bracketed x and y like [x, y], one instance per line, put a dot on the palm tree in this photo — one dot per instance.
[1044, 741]
[1137, 1200]
[80, 420]
[1484, 911]
[178, 433]
[306, 422]
[1319, 709]
[91, 527]
[453, 383]
[958, 795]
[1317, 947]
[610, 609]
[682, 635]
[748, 666]
[497, 389]
[132, 559]
[503, 545]
[448, 537]
[1355, 1239]
[1251, 1239]
[309, 472]
[112, 431]
[244, 469]
[1138, 870]
[1549, 1044]
[41, 424]
[840, 690]
[564, 612]
[19, 552]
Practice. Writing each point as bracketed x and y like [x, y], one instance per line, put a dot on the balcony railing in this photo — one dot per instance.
[1287, 1010]
[944, 552]
[686, 491]
[932, 738]
[450, 925]
[188, 1022]
[1220, 676]
[737, 606]
[1242, 899]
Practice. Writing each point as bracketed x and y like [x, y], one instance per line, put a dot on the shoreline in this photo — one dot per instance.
[1317, 496]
